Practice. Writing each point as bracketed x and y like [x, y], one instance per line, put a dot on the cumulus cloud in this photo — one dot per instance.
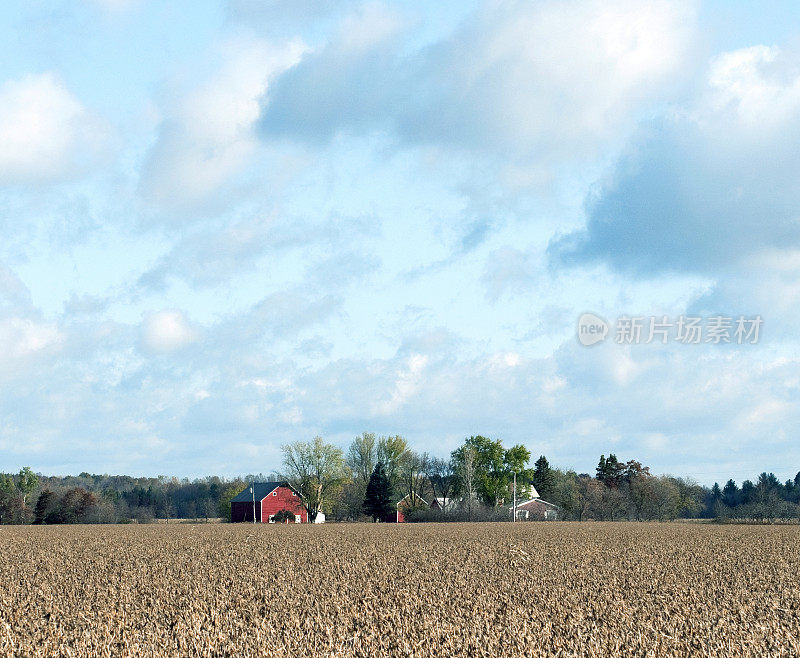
[167, 331]
[45, 132]
[208, 135]
[542, 81]
[708, 187]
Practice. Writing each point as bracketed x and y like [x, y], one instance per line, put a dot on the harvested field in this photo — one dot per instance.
[551, 589]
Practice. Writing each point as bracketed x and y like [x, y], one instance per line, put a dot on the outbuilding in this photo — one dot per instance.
[266, 499]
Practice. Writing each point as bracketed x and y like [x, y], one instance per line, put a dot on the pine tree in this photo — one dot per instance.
[730, 494]
[543, 478]
[378, 499]
[610, 471]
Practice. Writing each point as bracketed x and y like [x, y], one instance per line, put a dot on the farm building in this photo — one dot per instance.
[269, 498]
[536, 509]
[404, 504]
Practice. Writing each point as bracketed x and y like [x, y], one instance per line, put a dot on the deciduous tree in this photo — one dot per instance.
[313, 468]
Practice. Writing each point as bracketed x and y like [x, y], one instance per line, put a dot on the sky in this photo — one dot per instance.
[231, 225]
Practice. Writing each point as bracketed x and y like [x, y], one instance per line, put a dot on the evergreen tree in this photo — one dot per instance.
[543, 478]
[610, 471]
[747, 491]
[730, 494]
[44, 507]
[378, 499]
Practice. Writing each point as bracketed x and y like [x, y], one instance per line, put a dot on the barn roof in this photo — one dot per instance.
[262, 490]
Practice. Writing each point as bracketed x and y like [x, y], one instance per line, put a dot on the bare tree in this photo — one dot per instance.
[466, 478]
[442, 478]
[412, 477]
[589, 497]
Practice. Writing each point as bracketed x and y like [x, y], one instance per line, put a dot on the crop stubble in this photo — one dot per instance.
[547, 589]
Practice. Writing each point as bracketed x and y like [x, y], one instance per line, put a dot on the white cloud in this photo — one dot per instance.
[208, 136]
[406, 384]
[21, 338]
[45, 131]
[167, 331]
[541, 82]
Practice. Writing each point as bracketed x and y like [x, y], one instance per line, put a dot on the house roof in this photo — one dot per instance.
[536, 500]
[262, 490]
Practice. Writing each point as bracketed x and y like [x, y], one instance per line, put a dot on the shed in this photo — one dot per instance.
[266, 499]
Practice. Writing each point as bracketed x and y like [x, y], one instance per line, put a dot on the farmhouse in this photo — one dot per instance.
[536, 509]
[270, 498]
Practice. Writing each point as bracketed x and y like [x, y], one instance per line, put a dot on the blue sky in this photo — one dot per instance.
[229, 225]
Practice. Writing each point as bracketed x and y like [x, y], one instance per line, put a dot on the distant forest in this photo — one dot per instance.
[475, 483]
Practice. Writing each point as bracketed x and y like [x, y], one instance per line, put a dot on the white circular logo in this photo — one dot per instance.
[591, 329]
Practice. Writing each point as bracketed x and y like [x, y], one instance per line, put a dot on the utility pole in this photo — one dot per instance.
[514, 506]
[252, 491]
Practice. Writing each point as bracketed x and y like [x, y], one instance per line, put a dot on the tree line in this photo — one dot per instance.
[26, 497]
[376, 474]
[477, 483]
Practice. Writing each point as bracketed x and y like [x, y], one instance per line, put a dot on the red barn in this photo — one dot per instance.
[270, 498]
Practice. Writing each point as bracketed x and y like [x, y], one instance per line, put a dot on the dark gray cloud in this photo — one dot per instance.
[676, 203]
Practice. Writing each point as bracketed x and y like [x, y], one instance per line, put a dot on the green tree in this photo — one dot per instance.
[362, 455]
[378, 502]
[26, 482]
[392, 451]
[314, 468]
[610, 471]
[11, 507]
[494, 467]
[730, 494]
[44, 507]
[283, 516]
[543, 479]
[565, 493]
[224, 505]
